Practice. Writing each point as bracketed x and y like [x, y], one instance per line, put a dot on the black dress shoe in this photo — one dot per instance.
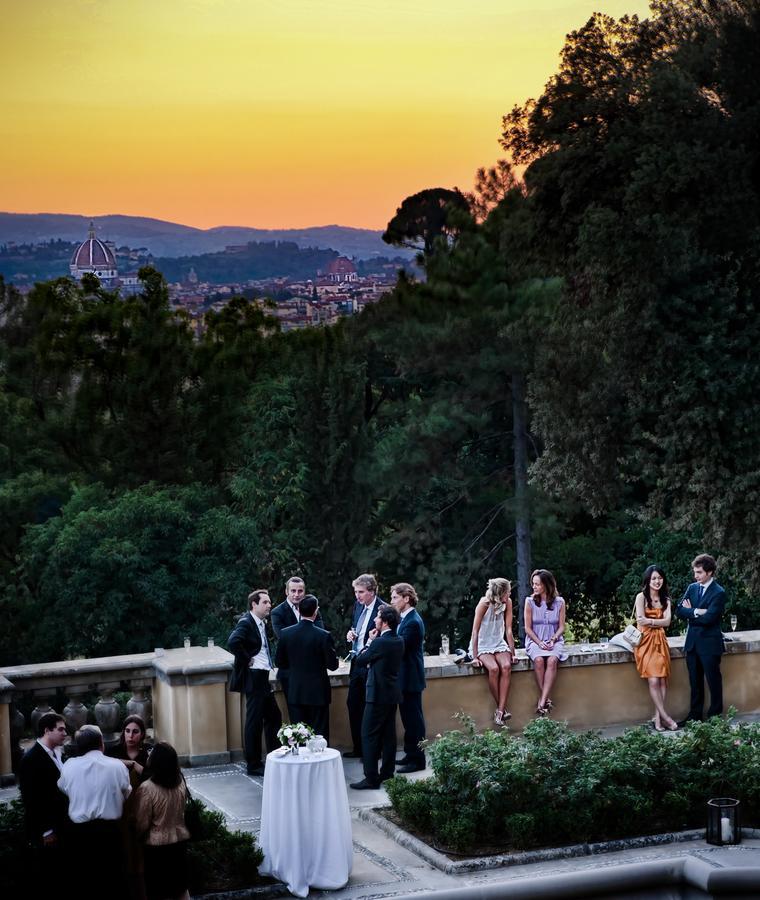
[254, 770]
[412, 767]
[403, 761]
[352, 754]
[364, 785]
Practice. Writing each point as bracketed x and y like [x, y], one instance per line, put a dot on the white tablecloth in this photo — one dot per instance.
[305, 821]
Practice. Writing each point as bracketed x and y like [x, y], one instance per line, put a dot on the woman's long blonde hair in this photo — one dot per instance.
[497, 593]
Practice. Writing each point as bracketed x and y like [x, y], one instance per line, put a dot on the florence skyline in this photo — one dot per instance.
[268, 115]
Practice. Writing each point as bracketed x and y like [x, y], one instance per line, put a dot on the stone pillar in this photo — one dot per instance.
[6, 741]
[190, 703]
[107, 712]
[42, 706]
[75, 712]
[139, 704]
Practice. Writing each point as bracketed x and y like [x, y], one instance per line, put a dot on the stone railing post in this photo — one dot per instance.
[139, 704]
[75, 712]
[6, 739]
[189, 703]
[107, 712]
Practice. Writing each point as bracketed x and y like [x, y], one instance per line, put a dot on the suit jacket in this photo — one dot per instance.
[283, 617]
[383, 659]
[45, 807]
[359, 610]
[704, 635]
[307, 651]
[411, 630]
[244, 643]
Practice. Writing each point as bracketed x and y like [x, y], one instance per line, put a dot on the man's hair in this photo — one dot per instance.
[294, 579]
[706, 561]
[89, 737]
[254, 596]
[389, 616]
[366, 581]
[308, 606]
[406, 590]
[48, 722]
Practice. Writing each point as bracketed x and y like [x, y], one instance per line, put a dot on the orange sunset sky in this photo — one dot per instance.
[267, 113]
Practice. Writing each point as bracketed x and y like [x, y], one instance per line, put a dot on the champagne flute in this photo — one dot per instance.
[734, 622]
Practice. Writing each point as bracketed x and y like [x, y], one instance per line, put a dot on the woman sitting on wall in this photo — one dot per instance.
[492, 644]
[544, 630]
[653, 612]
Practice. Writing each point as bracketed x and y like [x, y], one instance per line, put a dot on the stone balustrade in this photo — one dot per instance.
[184, 692]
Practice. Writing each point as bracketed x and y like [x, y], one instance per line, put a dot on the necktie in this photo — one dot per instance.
[265, 643]
[701, 591]
[360, 626]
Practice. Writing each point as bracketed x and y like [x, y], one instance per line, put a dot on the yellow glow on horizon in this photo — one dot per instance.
[269, 113]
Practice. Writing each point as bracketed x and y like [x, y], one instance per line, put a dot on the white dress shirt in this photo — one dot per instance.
[96, 786]
[361, 628]
[56, 754]
[261, 660]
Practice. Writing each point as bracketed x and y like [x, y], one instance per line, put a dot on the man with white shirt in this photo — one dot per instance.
[250, 675]
[366, 608]
[702, 606]
[45, 807]
[97, 787]
[284, 615]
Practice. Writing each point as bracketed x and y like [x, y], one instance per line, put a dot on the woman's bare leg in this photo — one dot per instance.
[549, 678]
[492, 670]
[504, 662]
[539, 671]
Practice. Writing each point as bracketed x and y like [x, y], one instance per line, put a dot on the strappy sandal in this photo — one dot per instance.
[498, 717]
[541, 710]
[549, 705]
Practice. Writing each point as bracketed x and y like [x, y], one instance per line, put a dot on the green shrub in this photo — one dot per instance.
[552, 786]
[14, 859]
[219, 859]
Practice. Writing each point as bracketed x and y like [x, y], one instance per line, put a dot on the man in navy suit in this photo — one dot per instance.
[381, 658]
[362, 622]
[702, 606]
[45, 807]
[308, 652]
[411, 630]
[250, 675]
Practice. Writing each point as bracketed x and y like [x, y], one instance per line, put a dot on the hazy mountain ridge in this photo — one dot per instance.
[173, 239]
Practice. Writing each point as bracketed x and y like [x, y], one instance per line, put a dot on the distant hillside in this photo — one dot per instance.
[168, 239]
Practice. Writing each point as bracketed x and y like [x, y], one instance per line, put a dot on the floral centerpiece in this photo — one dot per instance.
[295, 735]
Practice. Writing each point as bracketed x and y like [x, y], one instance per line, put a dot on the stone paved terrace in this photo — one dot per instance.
[384, 868]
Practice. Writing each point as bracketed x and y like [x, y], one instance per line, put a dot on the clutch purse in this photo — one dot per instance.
[632, 635]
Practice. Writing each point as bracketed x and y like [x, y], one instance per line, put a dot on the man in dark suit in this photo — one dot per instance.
[307, 651]
[382, 659]
[702, 606]
[250, 675]
[411, 630]
[283, 616]
[362, 621]
[45, 807]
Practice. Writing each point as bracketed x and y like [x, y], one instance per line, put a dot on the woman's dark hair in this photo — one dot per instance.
[549, 583]
[132, 720]
[664, 591]
[163, 766]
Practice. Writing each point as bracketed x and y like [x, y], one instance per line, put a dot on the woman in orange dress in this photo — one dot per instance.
[653, 612]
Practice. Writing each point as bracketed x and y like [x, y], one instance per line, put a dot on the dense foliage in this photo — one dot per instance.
[595, 321]
[553, 786]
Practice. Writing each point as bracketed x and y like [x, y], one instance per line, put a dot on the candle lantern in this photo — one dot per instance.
[723, 821]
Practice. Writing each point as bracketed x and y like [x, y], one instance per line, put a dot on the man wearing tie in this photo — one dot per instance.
[250, 675]
[362, 622]
[702, 606]
[308, 652]
[284, 615]
[411, 630]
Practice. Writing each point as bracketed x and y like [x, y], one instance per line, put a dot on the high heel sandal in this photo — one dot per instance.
[498, 717]
[541, 710]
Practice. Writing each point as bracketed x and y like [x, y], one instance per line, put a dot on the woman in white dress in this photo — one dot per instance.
[493, 645]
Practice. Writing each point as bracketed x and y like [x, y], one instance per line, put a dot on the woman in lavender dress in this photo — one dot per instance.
[544, 628]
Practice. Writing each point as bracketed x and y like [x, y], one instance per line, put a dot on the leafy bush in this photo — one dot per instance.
[553, 786]
[14, 860]
[219, 859]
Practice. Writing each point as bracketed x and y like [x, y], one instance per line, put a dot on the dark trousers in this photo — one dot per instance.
[262, 715]
[99, 842]
[701, 668]
[413, 721]
[316, 716]
[379, 737]
[357, 693]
